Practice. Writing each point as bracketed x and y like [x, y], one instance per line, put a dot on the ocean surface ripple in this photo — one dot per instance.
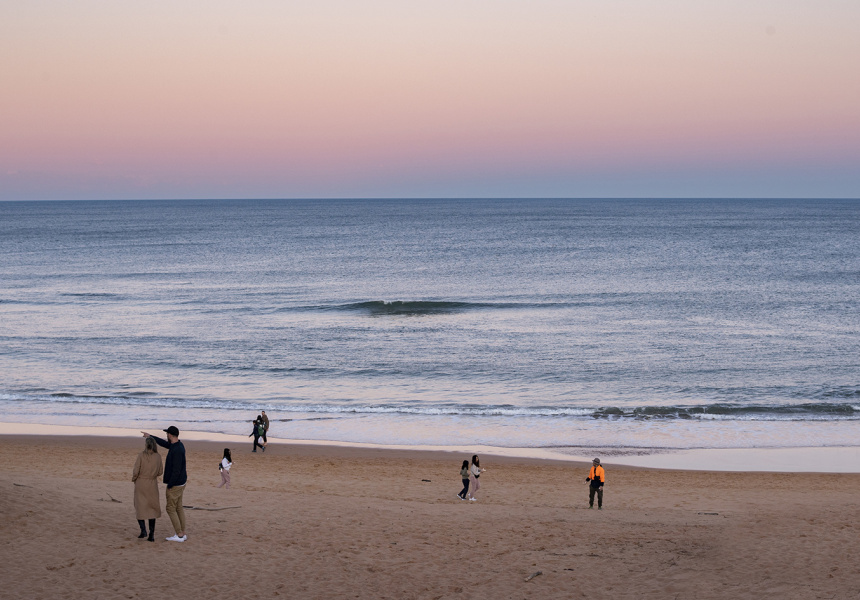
[532, 323]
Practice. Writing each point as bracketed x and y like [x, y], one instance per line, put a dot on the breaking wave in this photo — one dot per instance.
[818, 411]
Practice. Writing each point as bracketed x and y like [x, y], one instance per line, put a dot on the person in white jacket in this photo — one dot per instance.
[224, 467]
[474, 474]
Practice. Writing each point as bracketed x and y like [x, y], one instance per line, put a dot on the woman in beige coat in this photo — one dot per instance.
[147, 469]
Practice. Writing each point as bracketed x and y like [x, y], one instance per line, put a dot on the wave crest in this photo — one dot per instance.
[819, 411]
[412, 307]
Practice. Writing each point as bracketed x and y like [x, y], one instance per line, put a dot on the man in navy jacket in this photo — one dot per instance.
[175, 478]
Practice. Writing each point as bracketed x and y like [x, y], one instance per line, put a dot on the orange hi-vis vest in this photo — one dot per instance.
[597, 474]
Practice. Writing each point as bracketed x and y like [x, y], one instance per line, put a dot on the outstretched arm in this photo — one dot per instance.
[158, 440]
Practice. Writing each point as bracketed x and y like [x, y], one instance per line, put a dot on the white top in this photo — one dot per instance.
[476, 470]
[226, 464]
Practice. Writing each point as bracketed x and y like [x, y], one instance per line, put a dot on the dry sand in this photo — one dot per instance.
[335, 522]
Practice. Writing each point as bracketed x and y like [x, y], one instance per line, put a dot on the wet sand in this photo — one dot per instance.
[317, 521]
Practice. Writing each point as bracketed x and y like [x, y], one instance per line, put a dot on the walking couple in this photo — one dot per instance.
[470, 474]
[261, 428]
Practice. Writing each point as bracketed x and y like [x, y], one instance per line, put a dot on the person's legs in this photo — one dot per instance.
[223, 478]
[175, 510]
[151, 537]
[180, 512]
[465, 489]
[170, 507]
[142, 528]
[591, 491]
[225, 475]
[599, 497]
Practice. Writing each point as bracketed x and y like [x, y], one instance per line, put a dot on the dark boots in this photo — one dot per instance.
[142, 535]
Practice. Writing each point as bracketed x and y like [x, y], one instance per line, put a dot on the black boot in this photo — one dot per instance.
[151, 537]
[142, 529]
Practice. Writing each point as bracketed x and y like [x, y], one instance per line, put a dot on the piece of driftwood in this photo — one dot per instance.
[533, 575]
[427, 480]
[112, 499]
[22, 485]
[206, 508]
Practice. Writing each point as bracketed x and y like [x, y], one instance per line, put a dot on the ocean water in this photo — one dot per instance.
[622, 325]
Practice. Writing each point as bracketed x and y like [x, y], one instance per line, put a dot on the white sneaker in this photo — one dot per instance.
[473, 499]
[176, 538]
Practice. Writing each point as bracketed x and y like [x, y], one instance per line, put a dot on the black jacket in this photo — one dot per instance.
[174, 464]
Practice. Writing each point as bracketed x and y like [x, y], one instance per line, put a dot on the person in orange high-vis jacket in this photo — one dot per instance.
[597, 477]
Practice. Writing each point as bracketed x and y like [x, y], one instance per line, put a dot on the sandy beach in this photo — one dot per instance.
[315, 521]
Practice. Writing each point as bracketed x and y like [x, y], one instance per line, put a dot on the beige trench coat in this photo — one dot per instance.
[147, 469]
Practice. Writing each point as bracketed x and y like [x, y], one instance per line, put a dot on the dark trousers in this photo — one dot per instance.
[465, 489]
[256, 442]
[591, 491]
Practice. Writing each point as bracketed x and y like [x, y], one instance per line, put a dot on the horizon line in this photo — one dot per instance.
[465, 198]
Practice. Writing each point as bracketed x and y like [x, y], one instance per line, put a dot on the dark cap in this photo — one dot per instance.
[172, 430]
[596, 461]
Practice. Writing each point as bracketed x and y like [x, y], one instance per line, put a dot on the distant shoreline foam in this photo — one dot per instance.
[808, 411]
[784, 460]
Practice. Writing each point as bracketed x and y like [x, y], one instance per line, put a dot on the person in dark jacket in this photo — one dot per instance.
[464, 476]
[258, 432]
[597, 477]
[175, 478]
[265, 420]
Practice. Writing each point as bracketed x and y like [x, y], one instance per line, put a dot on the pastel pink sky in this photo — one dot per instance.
[105, 99]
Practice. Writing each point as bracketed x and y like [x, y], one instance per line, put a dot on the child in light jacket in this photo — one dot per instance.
[224, 467]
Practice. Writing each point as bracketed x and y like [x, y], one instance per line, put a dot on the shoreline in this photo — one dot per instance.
[836, 459]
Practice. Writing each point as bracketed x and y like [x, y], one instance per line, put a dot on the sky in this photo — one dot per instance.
[107, 99]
